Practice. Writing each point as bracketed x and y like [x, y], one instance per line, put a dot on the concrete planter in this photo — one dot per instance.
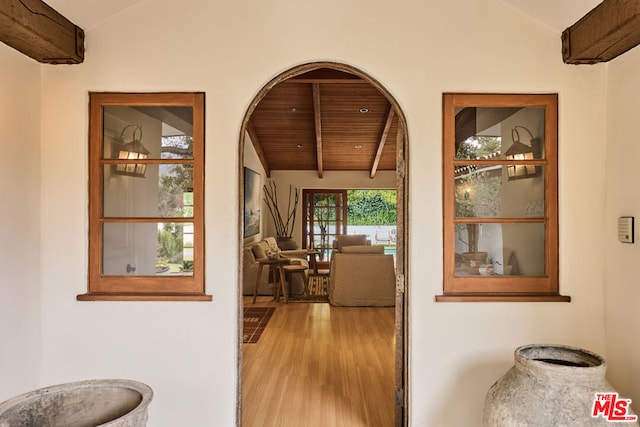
[109, 403]
[549, 385]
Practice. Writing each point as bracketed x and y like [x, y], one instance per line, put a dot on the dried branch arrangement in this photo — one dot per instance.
[284, 228]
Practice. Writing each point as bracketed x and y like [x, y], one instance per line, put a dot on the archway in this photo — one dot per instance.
[402, 185]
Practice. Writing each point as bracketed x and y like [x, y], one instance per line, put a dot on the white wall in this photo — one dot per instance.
[19, 223]
[622, 292]
[229, 49]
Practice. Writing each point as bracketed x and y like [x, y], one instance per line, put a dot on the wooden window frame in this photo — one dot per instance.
[143, 288]
[501, 288]
[341, 226]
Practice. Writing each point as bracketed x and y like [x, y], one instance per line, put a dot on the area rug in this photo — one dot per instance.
[254, 321]
[319, 284]
[318, 290]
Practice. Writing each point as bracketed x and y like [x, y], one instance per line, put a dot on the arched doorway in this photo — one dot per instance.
[402, 185]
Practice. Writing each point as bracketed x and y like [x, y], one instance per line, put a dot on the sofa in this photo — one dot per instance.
[250, 266]
[362, 275]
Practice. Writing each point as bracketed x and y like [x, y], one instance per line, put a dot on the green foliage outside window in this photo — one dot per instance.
[371, 207]
[478, 146]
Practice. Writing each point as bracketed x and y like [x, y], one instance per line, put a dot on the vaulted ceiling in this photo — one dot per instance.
[325, 120]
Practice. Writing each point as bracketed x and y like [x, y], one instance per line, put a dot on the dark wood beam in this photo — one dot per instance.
[259, 151]
[383, 141]
[37, 30]
[607, 31]
[334, 81]
[325, 75]
[318, 121]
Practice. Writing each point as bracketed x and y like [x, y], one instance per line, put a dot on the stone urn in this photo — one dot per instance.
[550, 385]
[109, 403]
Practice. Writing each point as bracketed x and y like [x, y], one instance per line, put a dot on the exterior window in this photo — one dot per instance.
[500, 212]
[146, 188]
[325, 217]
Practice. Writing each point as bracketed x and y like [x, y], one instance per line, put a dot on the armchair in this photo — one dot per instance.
[362, 275]
[344, 240]
[250, 267]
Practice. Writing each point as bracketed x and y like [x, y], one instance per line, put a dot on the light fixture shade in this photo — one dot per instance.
[519, 151]
[133, 150]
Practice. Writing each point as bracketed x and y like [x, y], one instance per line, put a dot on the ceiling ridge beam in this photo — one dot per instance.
[319, 80]
[607, 31]
[383, 141]
[258, 147]
[35, 29]
[317, 115]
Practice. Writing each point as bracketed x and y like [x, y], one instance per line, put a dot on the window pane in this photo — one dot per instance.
[501, 249]
[147, 249]
[165, 191]
[487, 192]
[164, 132]
[499, 133]
[324, 199]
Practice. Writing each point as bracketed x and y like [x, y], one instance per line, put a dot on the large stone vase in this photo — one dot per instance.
[549, 385]
[92, 403]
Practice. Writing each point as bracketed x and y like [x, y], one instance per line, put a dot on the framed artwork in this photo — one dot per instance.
[252, 202]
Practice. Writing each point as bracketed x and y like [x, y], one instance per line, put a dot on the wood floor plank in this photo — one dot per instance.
[317, 365]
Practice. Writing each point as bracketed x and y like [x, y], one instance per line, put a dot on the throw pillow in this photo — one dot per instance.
[259, 250]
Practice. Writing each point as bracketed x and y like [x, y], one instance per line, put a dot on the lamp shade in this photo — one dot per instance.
[133, 150]
[522, 152]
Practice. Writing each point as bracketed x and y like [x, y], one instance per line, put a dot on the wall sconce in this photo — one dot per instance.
[520, 151]
[133, 150]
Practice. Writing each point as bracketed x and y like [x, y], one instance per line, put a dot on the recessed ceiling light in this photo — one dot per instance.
[293, 109]
[364, 110]
[299, 145]
[357, 146]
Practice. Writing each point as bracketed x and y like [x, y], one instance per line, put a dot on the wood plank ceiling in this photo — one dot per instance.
[325, 120]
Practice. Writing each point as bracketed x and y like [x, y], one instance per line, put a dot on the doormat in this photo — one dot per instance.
[254, 321]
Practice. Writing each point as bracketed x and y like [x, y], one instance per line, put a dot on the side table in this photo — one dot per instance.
[313, 260]
[277, 266]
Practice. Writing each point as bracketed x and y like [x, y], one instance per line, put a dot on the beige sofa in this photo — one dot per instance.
[250, 266]
[362, 275]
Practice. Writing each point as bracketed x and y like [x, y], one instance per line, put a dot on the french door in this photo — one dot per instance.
[325, 217]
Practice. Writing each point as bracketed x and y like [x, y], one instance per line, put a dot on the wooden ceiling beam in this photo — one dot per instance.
[317, 115]
[607, 31]
[325, 75]
[334, 81]
[251, 130]
[38, 31]
[383, 141]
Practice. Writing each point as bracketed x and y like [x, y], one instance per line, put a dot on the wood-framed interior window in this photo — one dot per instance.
[146, 197]
[500, 201]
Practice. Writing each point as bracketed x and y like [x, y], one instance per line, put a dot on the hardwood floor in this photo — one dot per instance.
[318, 366]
